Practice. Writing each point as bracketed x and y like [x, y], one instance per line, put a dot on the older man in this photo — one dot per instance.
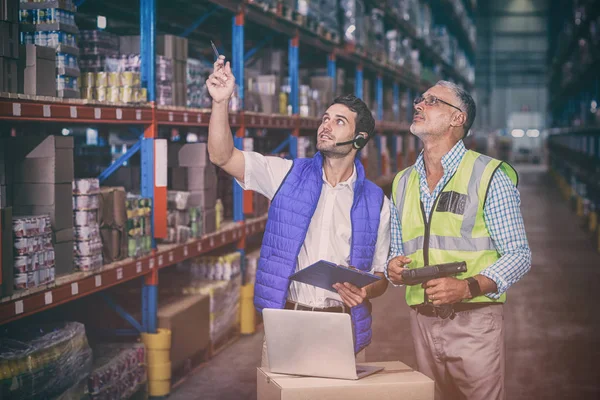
[452, 205]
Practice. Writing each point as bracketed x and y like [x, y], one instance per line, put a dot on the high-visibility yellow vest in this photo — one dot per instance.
[456, 229]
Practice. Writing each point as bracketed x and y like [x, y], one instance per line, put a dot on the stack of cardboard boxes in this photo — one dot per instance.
[173, 51]
[191, 171]
[112, 218]
[9, 45]
[43, 178]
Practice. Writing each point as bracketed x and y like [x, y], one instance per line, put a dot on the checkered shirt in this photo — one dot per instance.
[502, 216]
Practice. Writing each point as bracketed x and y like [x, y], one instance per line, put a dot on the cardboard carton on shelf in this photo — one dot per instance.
[55, 200]
[193, 155]
[188, 318]
[396, 381]
[40, 70]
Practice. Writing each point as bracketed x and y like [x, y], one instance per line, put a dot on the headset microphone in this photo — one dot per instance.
[358, 142]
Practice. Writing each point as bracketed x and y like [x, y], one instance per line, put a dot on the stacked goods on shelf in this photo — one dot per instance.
[96, 47]
[353, 23]
[188, 320]
[139, 228]
[329, 21]
[52, 24]
[197, 91]
[108, 76]
[251, 266]
[9, 46]
[376, 34]
[34, 252]
[38, 70]
[191, 171]
[6, 215]
[183, 222]
[171, 69]
[218, 277]
[118, 371]
[112, 218]
[43, 178]
[87, 248]
[42, 362]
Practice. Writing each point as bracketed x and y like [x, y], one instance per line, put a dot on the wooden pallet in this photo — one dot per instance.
[228, 339]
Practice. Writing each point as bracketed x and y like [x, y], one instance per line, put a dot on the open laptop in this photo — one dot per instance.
[312, 344]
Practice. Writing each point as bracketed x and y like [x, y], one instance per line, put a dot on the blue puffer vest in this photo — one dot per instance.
[289, 217]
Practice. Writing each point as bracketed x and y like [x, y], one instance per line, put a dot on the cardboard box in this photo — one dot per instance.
[5, 196]
[173, 154]
[127, 177]
[396, 381]
[207, 199]
[112, 212]
[193, 179]
[63, 253]
[209, 221]
[9, 75]
[9, 39]
[114, 244]
[188, 318]
[64, 235]
[58, 169]
[6, 260]
[6, 165]
[39, 146]
[193, 155]
[55, 200]
[40, 70]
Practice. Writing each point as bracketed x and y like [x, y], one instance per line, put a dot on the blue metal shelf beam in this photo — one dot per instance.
[359, 82]
[120, 161]
[259, 46]
[332, 71]
[379, 97]
[200, 21]
[147, 44]
[294, 74]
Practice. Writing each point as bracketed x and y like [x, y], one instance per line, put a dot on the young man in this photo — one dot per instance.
[457, 205]
[322, 208]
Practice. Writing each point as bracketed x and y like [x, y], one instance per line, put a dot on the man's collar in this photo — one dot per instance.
[450, 160]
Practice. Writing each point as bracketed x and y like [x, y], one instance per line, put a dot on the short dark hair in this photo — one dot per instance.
[364, 119]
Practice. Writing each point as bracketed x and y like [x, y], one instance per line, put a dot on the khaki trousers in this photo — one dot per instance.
[465, 355]
[264, 363]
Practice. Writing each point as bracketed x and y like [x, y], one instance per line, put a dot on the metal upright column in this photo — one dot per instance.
[147, 39]
[293, 60]
[238, 71]
[409, 105]
[381, 142]
[358, 90]
[331, 72]
[396, 101]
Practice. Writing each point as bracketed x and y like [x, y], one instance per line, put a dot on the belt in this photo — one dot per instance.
[448, 310]
[295, 306]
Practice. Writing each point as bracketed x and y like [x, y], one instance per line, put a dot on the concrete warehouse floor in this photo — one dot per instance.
[552, 328]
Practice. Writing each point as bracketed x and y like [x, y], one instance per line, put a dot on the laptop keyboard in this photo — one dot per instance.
[360, 370]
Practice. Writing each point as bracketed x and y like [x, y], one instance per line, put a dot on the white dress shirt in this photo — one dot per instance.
[330, 230]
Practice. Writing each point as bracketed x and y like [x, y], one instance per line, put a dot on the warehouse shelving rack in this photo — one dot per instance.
[18, 108]
[574, 140]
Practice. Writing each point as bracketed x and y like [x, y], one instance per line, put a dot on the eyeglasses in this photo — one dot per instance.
[432, 101]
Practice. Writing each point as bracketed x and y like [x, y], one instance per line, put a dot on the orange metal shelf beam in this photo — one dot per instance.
[23, 304]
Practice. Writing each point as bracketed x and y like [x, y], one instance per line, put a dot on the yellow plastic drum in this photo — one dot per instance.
[247, 311]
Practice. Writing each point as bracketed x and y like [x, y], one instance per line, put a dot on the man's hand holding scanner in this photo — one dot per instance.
[446, 290]
[395, 268]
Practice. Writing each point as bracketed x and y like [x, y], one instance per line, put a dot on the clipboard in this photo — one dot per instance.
[325, 274]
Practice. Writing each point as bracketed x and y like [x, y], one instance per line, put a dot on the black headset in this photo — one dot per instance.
[359, 141]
